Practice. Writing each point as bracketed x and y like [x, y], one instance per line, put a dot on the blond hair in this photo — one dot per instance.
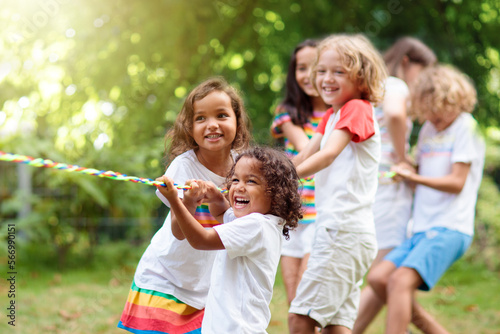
[361, 60]
[442, 89]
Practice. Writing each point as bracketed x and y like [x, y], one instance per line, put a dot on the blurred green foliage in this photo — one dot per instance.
[97, 83]
[487, 238]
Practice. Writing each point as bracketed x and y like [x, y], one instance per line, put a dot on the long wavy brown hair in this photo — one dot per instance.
[282, 184]
[296, 102]
[179, 138]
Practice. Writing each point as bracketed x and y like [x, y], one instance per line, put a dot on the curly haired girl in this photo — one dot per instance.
[171, 281]
[264, 203]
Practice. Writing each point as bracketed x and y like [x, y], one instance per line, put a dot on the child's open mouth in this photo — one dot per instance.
[213, 136]
[240, 202]
[329, 89]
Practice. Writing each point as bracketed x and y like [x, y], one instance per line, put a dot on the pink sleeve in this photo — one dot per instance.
[322, 124]
[356, 116]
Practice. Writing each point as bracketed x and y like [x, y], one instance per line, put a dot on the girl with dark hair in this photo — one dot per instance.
[296, 120]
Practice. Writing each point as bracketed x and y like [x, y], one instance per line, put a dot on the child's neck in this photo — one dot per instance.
[318, 104]
[219, 162]
[336, 108]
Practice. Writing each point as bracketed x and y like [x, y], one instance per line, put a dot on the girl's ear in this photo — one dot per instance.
[405, 61]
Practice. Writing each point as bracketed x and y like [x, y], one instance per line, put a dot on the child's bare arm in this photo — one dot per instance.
[296, 135]
[451, 183]
[323, 158]
[311, 148]
[197, 236]
[394, 108]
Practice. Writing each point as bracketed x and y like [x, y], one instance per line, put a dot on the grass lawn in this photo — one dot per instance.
[90, 300]
[466, 300]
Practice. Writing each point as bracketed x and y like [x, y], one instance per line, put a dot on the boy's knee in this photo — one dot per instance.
[292, 321]
[298, 323]
[378, 281]
[403, 279]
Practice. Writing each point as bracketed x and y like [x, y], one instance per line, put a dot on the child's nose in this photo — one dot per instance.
[239, 187]
[329, 76]
[212, 123]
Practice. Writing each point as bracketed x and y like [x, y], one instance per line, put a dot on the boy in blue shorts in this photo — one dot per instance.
[450, 159]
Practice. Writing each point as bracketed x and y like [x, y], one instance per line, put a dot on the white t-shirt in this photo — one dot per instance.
[170, 265]
[393, 203]
[345, 190]
[393, 86]
[436, 153]
[243, 274]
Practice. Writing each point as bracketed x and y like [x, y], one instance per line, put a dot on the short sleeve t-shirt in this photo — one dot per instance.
[243, 274]
[345, 190]
[282, 117]
[308, 185]
[437, 151]
[170, 265]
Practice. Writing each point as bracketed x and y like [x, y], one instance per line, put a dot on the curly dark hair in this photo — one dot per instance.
[282, 184]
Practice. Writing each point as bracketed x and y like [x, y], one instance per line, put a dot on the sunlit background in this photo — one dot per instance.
[96, 83]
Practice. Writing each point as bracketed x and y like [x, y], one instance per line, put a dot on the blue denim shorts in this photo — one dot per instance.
[430, 253]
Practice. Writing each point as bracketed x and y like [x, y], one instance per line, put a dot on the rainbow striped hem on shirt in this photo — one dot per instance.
[153, 312]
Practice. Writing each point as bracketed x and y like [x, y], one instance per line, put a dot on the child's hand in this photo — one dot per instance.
[170, 191]
[212, 193]
[404, 171]
[196, 193]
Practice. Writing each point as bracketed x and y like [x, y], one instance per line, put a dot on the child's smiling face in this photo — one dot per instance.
[214, 122]
[248, 188]
[305, 59]
[333, 83]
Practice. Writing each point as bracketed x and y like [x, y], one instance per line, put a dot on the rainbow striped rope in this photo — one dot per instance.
[24, 159]
[89, 171]
[387, 175]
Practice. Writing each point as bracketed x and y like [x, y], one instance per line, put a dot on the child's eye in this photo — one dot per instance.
[321, 71]
[199, 118]
[234, 181]
[252, 181]
[223, 115]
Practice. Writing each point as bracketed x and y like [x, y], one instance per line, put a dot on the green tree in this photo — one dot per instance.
[97, 84]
